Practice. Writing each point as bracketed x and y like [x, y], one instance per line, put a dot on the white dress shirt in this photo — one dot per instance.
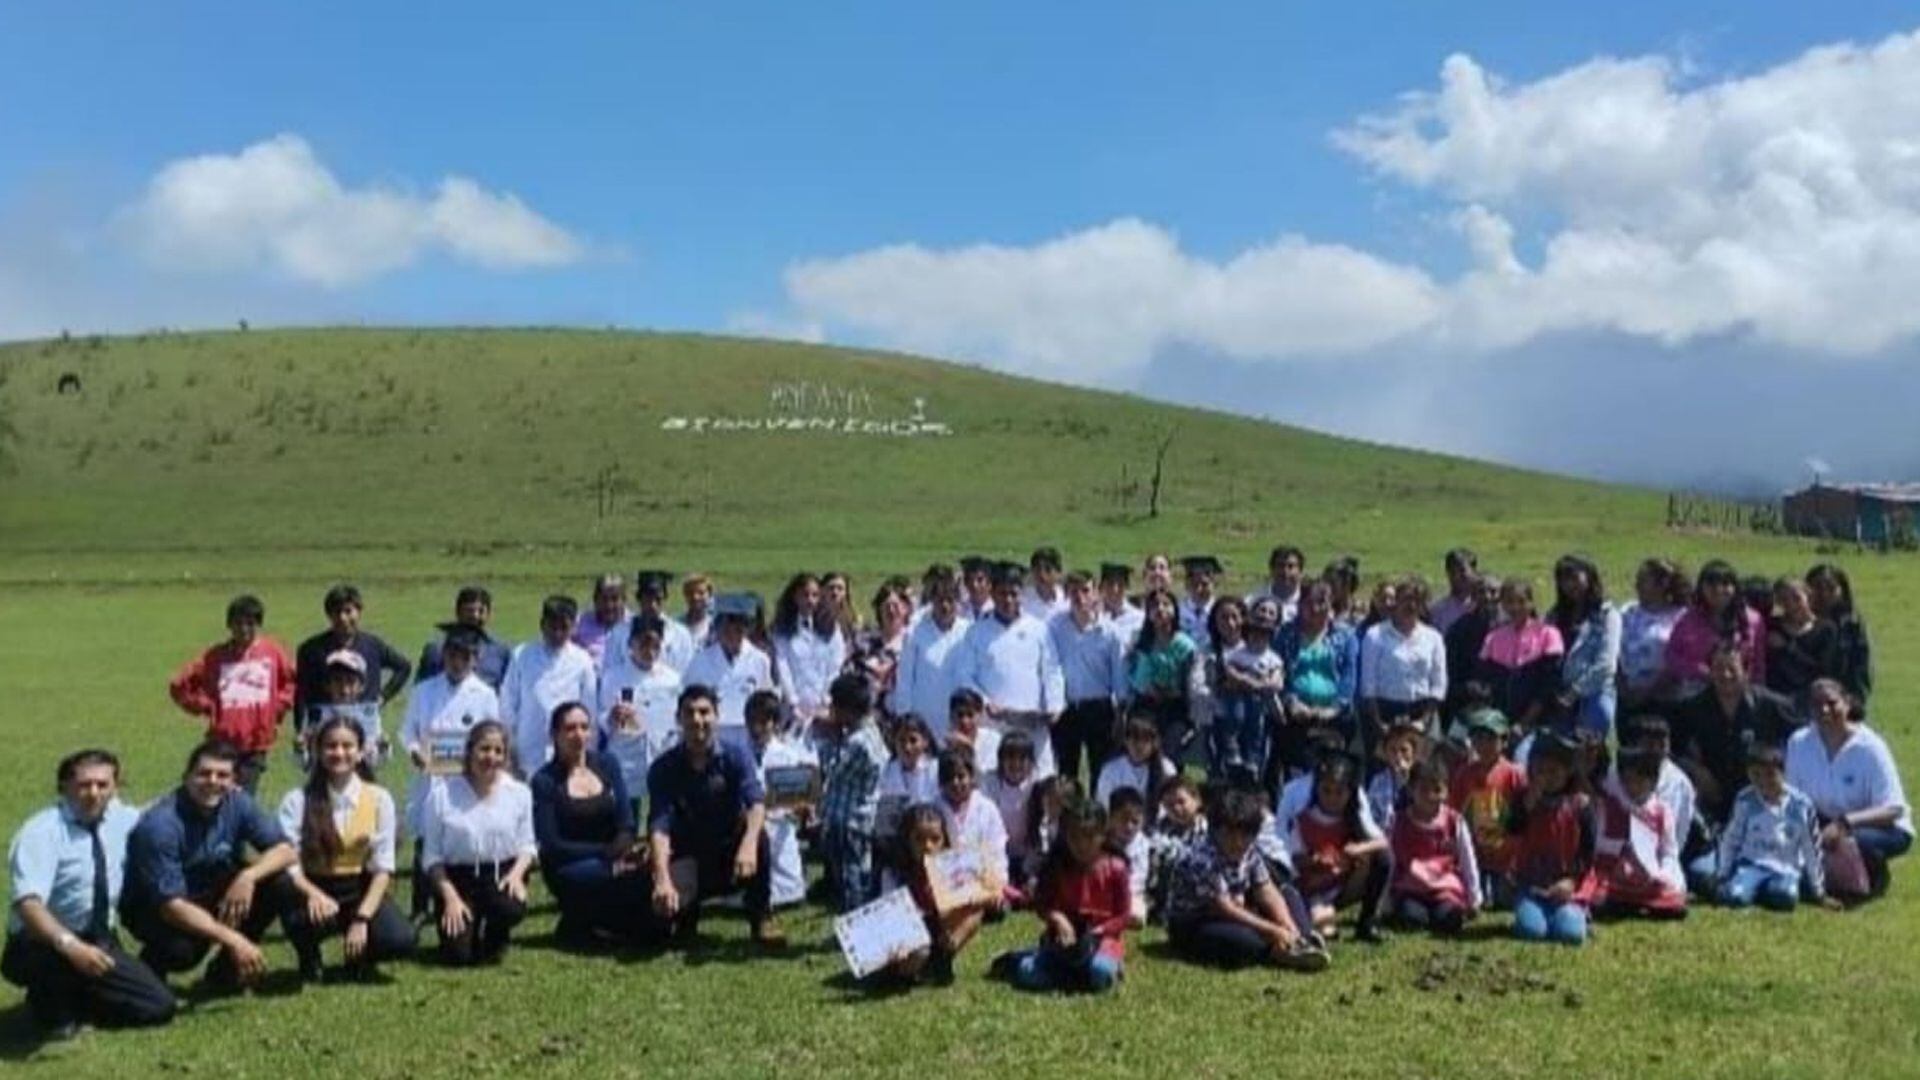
[978, 824]
[1860, 777]
[293, 815]
[539, 680]
[808, 662]
[783, 833]
[1403, 668]
[654, 693]
[437, 709]
[732, 679]
[1032, 603]
[1014, 668]
[928, 673]
[462, 829]
[677, 645]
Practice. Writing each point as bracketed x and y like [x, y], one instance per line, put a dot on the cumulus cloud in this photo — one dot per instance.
[1780, 208]
[275, 205]
[1107, 299]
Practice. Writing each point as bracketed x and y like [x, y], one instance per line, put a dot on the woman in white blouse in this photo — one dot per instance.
[343, 826]
[1846, 769]
[477, 847]
[1403, 665]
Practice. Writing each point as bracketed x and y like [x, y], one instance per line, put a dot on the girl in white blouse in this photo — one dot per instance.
[343, 826]
[477, 847]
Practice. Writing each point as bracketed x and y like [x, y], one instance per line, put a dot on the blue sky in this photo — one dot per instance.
[684, 158]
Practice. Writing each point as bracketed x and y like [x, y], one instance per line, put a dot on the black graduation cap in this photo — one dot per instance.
[1115, 572]
[652, 581]
[736, 606]
[464, 638]
[975, 564]
[1008, 572]
[1202, 564]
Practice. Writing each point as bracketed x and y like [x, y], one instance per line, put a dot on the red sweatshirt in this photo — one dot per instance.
[242, 694]
[1097, 900]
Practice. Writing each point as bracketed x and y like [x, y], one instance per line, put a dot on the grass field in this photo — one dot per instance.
[191, 467]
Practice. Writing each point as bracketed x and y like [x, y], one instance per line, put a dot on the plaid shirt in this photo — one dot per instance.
[1204, 874]
[852, 779]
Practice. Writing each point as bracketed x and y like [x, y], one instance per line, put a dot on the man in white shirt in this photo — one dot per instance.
[1094, 676]
[1115, 609]
[1009, 660]
[544, 675]
[677, 648]
[924, 680]
[732, 667]
[1203, 572]
[1043, 598]
[976, 579]
[1286, 566]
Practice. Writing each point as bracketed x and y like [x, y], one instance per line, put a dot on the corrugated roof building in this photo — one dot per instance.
[1864, 513]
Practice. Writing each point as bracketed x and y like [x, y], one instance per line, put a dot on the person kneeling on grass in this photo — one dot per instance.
[1436, 878]
[1636, 849]
[923, 834]
[66, 867]
[343, 826]
[1770, 851]
[1551, 832]
[709, 813]
[1084, 901]
[583, 821]
[188, 888]
[1223, 906]
[477, 847]
[1339, 850]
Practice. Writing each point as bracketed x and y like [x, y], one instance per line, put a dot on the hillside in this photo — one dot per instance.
[276, 448]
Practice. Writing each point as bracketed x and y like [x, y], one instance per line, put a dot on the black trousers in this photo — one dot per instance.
[492, 915]
[130, 995]
[714, 852]
[166, 948]
[389, 934]
[1085, 726]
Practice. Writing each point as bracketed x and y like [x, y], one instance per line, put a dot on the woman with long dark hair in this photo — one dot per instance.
[1832, 594]
[343, 825]
[583, 822]
[1165, 672]
[1590, 629]
[1716, 614]
[809, 648]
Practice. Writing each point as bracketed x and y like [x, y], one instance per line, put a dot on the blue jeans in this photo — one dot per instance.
[1055, 969]
[1539, 919]
[1595, 713]
[849, 867]
[1239, 737]
[1703, 871]
[1750, 884]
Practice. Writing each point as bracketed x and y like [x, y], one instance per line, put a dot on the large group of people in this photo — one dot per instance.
[1243, 770]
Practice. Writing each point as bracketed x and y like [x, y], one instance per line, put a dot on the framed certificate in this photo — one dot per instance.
[963, 877]
[446, 755]
[792, 786]
[886, 931]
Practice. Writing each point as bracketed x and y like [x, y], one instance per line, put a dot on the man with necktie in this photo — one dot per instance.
[66, 866]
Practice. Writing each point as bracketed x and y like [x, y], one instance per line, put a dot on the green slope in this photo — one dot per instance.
[456, 442]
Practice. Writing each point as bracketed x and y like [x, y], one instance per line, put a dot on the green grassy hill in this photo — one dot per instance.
[190, 467]
[493, 443]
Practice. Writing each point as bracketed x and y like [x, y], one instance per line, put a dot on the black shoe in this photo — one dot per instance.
[61, 1031]
[939, 969]
[1001, 969]
[1371, 934]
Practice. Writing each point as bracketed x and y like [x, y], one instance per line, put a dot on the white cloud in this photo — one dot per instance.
[1110, 297]
[275, 205]
[1781, 208]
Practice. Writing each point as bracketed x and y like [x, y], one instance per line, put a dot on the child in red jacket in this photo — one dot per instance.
[1084, 898]
[243, 686]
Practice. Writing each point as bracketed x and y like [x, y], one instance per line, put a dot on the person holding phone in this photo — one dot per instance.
[636, 705]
